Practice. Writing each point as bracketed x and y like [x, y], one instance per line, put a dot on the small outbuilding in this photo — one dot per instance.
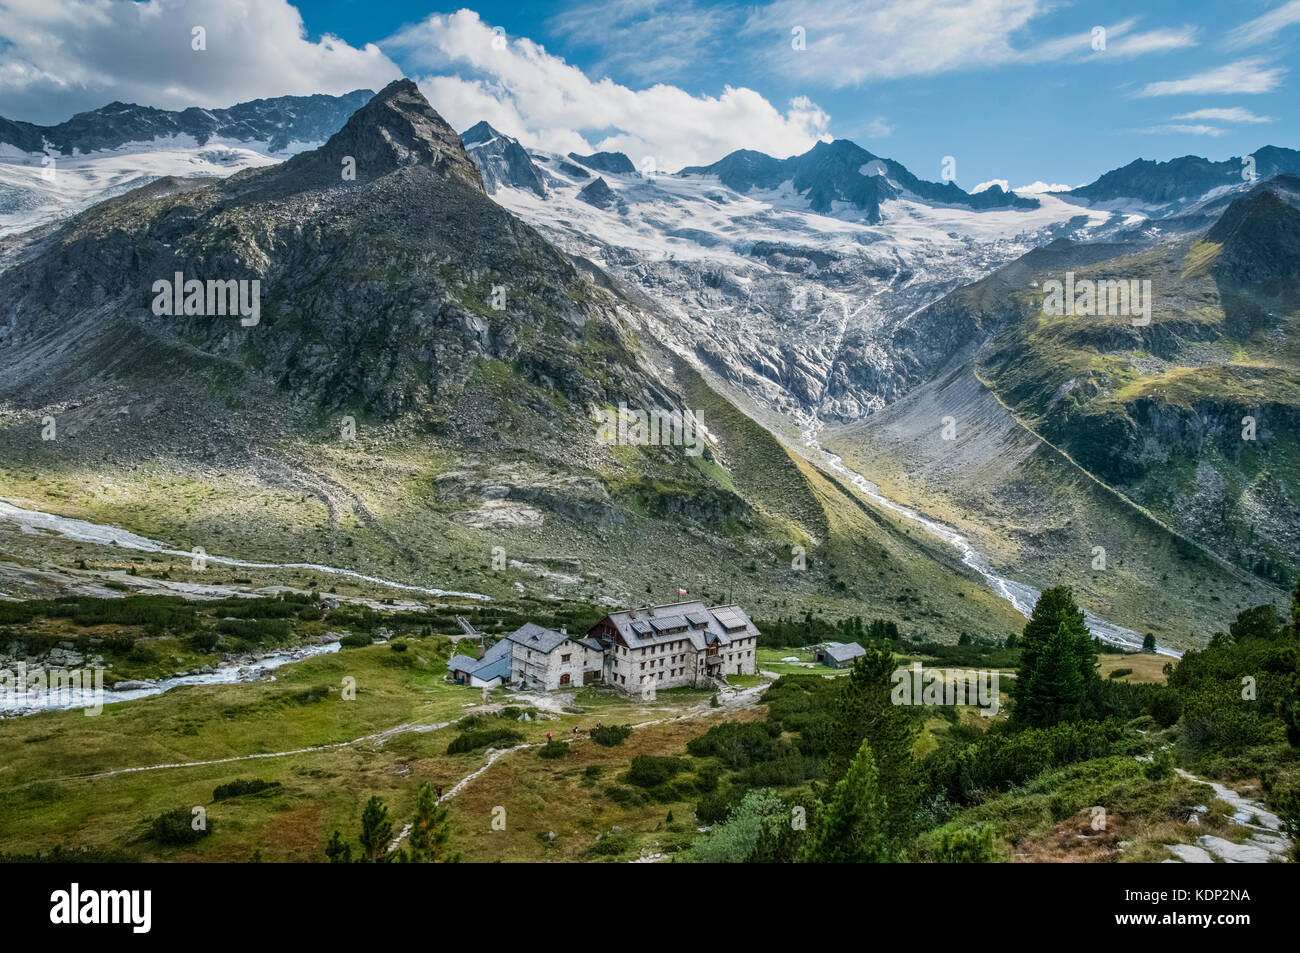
[839, 654]
[490, 671]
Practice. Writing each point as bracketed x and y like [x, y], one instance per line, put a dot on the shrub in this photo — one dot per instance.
[355, 640]
[737, 744]
[648, 770]
[1165, 706]
[177, 827]
[612, 844]
[963, 845]
[553, 749]
[625, 797]
[1119, 672]
[714, 806]
[611, 735]
[397, 646]
[241, 787]
[1161, 765]
[205, 641]
[471, 740]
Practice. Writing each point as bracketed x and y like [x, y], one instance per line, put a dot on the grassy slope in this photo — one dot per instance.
[1208, 359]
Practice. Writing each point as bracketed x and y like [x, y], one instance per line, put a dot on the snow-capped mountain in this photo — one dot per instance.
[782, 277]
[1165, 187]
[47, 172]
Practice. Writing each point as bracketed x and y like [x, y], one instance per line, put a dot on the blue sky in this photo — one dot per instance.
[1012, 89]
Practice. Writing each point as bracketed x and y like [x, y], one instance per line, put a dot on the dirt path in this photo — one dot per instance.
[379, 737]
[1267, 844]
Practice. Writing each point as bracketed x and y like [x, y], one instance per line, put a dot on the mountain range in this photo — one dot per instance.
[470, 303]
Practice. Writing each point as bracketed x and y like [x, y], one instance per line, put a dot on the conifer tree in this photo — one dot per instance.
[429, 828]
[852, 828]
[866, 712]
[376, 830]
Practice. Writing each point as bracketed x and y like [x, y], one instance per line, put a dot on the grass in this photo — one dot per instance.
[47, 796]
[1146, 668]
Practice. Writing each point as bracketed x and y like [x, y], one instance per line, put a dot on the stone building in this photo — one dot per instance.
[686, 643]
[542, 658]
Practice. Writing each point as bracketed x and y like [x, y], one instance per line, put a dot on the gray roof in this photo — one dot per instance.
[703, 626]
[843, 651]
[462, 663]
[538, 638]
[493, 657]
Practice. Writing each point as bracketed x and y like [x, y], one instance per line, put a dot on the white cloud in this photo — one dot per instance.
[1265, 27]
[61, 56]
[1251, 75]
[1039, 187]
[989, 184]
[1181, 129]
[878, 128]
[545, 102]
[1231, 114]
[849, 42]
[1120, 43]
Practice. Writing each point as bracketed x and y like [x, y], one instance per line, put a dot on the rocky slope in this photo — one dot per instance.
[47, 172]
[1192, 417]
[466, 353]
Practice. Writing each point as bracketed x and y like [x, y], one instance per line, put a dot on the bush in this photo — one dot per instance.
[241, 787]
[1119, 672]
[626, 797]
[205, 641]
[397, 646]
[1160, 767]
[611, 735]
[714, 806]
[355, 640]
[648, 770]
[1286, 802]
[612, 844]
[472, 740]
[553, 749]
[963, 845]
[737, 744]
[1165, 706]
[177, 827]
[1004, 758]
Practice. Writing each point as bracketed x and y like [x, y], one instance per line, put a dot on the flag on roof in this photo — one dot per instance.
[681, 592]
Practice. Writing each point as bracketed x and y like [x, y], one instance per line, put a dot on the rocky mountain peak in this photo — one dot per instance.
[1260, 238]
[502, 160]
[397, 128]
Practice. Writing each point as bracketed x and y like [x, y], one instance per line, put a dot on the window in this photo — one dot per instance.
[643, 666]
[564, 658]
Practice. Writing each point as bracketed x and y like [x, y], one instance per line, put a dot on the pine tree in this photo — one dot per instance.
[429, 828]
[866, 712]
[1056, 621]
[1058, 687]
[853, 827]
[376, 830]
[1289, 702]
[1149, 642]
[337, 851]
